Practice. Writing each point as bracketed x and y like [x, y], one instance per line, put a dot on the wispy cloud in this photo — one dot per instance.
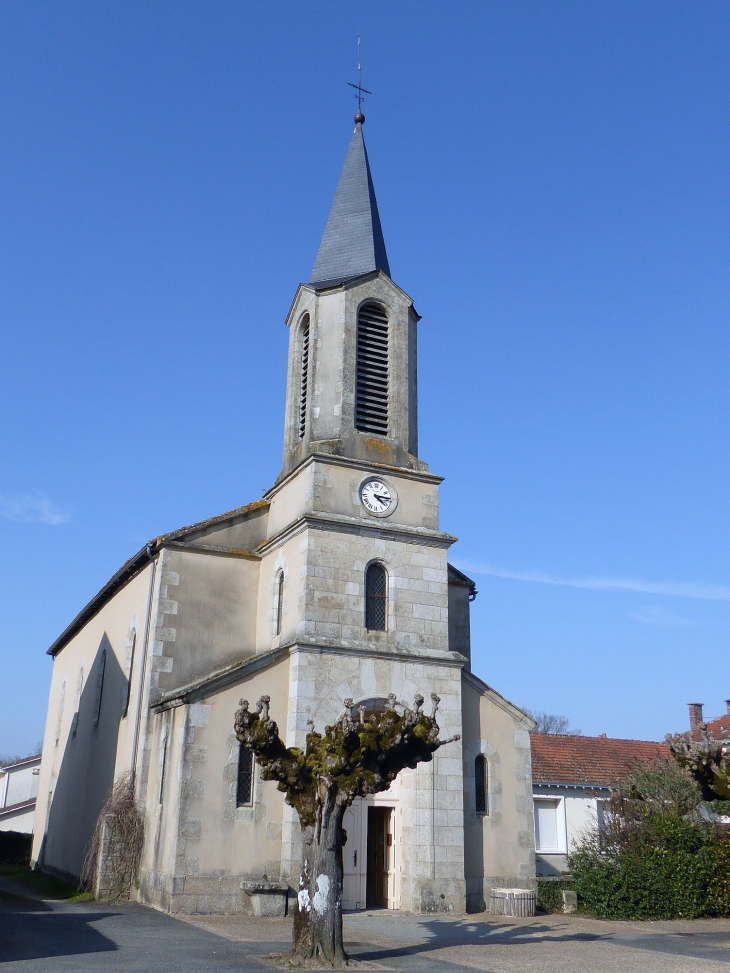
[661, 617]
[679, 589]
[32, 509]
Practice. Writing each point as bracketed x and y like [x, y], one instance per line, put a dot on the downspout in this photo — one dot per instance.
[143, 665]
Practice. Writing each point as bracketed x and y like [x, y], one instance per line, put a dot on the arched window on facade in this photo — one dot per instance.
[77, 701]
[279, 603]
[304, 377]
[376, 597]
[371, 371]
[163, 763]
[99, 686]
[481, 784]
[244, 783]
[131, 646]
[59, 718]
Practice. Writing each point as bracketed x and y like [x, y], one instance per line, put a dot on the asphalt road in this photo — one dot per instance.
[42, 936]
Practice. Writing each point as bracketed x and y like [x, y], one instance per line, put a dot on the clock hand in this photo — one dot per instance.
[377, 496]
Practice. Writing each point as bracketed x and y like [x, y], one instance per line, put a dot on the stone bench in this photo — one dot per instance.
[512, 902]
[267, 898]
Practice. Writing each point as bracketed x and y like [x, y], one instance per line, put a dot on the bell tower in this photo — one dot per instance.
[352, 381]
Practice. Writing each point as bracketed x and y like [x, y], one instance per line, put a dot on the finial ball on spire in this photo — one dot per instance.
[359, 118]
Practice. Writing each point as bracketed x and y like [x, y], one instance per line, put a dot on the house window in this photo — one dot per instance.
[550, 825]
[304, 379]
[244, 785]
[279, 602]
[99, 686]
[481, 784]
[376, 587]
[371, 371]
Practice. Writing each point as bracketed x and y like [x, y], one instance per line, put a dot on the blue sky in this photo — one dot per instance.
[552, 182]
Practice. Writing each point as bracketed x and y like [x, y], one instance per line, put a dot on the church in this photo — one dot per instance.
[336, 585]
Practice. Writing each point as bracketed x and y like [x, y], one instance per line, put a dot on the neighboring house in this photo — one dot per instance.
[18, 790]
[719, 727]
[572, 777]
[336, 584]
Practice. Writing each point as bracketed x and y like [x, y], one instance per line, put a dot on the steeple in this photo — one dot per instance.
[352, 385]
[353, 241]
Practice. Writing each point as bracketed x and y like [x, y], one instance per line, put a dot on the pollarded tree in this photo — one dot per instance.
[706, 759]
[359, 755]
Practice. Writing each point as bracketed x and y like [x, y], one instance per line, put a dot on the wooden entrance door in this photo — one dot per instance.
[380, 857]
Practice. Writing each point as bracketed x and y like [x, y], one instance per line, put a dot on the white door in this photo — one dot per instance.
[353, 857]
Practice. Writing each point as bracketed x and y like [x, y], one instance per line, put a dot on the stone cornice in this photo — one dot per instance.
[453, 660]
[192, 547]
[356, 464]
[226, 676]
[217, 680]
[349, 525]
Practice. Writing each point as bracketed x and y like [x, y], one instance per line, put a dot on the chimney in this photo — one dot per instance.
[695, 714]
[727, 703]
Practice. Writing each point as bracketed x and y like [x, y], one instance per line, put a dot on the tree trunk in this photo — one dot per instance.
[318, 913]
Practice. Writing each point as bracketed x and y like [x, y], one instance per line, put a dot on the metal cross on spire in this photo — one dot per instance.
[360, 91]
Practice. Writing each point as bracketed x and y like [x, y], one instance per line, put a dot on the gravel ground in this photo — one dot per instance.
[42, 936]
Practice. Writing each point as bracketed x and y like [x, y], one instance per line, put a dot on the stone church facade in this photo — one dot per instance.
[335, 585]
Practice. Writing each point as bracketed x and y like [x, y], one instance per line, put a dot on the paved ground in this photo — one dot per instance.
[41, 936]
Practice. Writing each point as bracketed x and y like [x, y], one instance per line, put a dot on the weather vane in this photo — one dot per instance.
[360, 91]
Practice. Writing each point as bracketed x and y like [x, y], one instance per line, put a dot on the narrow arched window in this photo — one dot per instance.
[481, 784]
[61, 701]
[131, 646]
[371, 371]
[99, 686]
[304, 378]
[376, 593]
[163, 763]
[244, 784]
[279, 602]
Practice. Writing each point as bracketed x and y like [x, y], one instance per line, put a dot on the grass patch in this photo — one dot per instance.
[44, 885]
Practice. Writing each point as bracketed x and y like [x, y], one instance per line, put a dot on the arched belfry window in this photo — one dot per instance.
[481, 784]
[304, 378]
[371, 371]
[279, 602]
[376, 597]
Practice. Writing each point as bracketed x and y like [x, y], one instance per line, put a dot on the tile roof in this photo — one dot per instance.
[353, 242]
[719, 728]
[589, 760]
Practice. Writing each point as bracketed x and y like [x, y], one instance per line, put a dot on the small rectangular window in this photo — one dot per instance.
[244, 786]
[550, 825]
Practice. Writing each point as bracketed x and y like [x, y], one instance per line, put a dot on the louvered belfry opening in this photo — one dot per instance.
[371, 378]
[375, 597]
[304, 377]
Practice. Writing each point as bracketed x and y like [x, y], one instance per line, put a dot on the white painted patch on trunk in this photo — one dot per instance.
[320, 896]
[303, 899]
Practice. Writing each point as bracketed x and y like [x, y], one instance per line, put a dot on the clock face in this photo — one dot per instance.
[376, 496]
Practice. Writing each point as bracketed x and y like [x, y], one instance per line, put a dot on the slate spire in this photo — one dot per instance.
[353, 241]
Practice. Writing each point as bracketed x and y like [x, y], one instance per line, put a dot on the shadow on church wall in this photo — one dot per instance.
[86, 774]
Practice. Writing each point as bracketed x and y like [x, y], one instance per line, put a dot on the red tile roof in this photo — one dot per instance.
[720, 728]
[590, 760]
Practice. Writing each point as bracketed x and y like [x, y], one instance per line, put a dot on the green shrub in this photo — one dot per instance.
[550, 893]
[656, 858]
